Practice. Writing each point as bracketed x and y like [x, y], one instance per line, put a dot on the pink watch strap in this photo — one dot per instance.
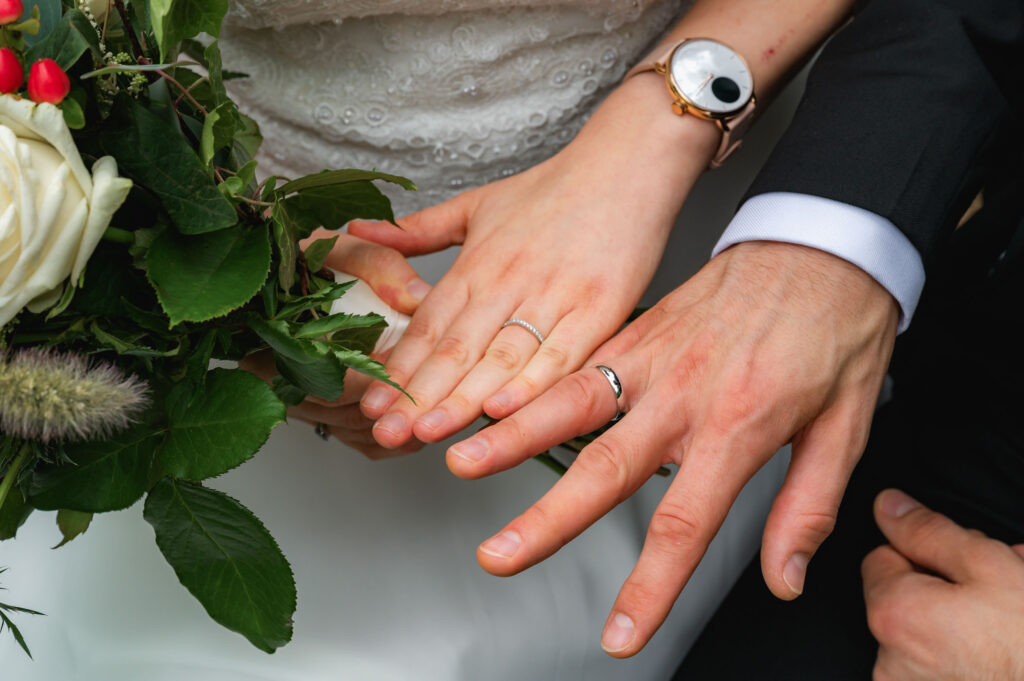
[732, 129]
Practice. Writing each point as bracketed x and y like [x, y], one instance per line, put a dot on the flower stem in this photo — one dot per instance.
[12, 472]
[120, 236]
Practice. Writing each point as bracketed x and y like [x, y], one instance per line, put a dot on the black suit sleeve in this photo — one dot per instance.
[905, 111]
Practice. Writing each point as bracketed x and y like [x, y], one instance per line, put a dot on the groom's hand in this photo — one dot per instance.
[945, 603]
[769, 343]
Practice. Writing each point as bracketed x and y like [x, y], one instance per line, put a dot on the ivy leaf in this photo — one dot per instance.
[156, 156]
[214, 71]
[221, 427]
[331, 206]
[218, 131]
[344, 176]
[102, 475]
[71, 524]
[205, 276]
[226, 558]
[176, 20]
[65, 44]
[13, 514]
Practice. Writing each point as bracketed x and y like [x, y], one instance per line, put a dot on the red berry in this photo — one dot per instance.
[47, 82]
[11, 73]
[10, 11]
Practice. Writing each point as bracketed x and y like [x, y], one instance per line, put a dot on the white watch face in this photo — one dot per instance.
[711, 76]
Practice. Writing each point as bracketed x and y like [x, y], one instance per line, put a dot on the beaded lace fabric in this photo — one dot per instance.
[450, 93]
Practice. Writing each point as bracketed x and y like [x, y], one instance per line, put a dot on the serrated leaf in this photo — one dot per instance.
[208, 275]
[327, 294]
[308, 365]
[226, 558]
[176, 20]
[71, 524]
[343, 176]
[221, 427]
[337, 322]
[289, 394]
[157, 157]
[105, 475]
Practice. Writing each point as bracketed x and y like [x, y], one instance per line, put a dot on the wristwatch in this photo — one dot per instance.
[709, 80]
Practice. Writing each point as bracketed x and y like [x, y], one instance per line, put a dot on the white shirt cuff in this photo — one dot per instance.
[859, 236]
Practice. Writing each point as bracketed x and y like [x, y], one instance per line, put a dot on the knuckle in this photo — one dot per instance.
[600, 461]
[458, 403]
[423, 330]
[504, 356]
[885, 619]
[818, 525]
[579, 392]
[453, 349]
[674, 528]
[556, 355]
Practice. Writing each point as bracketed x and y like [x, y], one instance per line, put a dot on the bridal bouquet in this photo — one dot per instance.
[137, 244]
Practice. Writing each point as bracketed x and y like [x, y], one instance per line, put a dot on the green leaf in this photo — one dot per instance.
[73, 114]
[337, 322]
[226, 558]
[13, 513]
[318, 251]
[333, 177]
[71, 524]
[214, 70]
[334, 205]
[221, 427]
[176, 20]
[328, 294]
[65, 44]
[105, 475]
[358, 361]
[286, 392]
[206, 276]
[218, 131]
[157, 157]
[308, 365]
[50, 12]
[286, 233]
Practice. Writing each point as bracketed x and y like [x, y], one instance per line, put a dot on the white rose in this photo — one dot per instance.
[52, 211]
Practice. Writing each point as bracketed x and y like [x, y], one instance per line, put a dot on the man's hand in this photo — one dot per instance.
[769, 343]
[945, 603]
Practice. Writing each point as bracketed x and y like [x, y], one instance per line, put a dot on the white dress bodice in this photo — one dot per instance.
[450, 93]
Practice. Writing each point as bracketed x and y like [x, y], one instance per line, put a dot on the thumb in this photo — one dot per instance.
[1019, 548]
[805, 509]
[389, 274]
[428, 231]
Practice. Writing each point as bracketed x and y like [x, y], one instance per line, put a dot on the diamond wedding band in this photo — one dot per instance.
[616, 384]
[526, 325]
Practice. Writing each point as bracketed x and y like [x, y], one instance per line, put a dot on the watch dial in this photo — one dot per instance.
[711, 76]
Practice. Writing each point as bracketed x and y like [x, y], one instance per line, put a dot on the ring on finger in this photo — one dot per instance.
[322, 431]
[526, 325]
[616, 384]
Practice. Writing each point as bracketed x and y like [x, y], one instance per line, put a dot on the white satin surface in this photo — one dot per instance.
[383, 553]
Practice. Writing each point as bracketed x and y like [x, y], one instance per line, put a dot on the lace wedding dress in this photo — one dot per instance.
[451, 93]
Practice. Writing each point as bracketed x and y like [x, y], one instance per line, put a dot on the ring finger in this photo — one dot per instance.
[505, 357]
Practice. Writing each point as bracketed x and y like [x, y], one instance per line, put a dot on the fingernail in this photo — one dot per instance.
[503, 545]
[418, 288]
[393, 423]
[897, 504]
[618, 634]
[795, 571]
[471, 450]
[434, 419]
[375, 399]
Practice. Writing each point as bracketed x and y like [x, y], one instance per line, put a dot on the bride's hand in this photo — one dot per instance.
[398, 285]
[769, 343]
[568, 246]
